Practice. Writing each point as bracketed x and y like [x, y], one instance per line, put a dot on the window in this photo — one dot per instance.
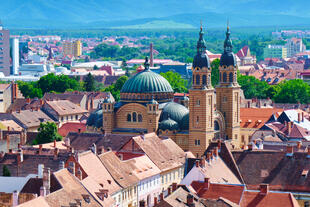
[76, 117]
[197, 120]
[224, 77]
[307, 204]
[204, 80]
[129, 117]
[198, 102]
[197, 142]
[134, 117]
[236, 136]
[139, 118]
[197, 79]
[224, 99]
[242, 138]
[108, 107]
[231, 77]
[154, 108]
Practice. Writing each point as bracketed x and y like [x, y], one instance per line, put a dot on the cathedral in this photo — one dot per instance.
[146, 104]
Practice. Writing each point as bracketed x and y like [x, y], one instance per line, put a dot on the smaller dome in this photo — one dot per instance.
[201, 60]
[174, 111]
[185, 122]
[108, 100]
[95, 119]
[153, 101]
[168, 124]
[228, 59]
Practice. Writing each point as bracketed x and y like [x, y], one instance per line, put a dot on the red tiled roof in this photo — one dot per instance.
[256, 199]
[256, 117]
[71, 127]
[215, 191]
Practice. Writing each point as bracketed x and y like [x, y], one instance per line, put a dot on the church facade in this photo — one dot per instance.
[147, 105]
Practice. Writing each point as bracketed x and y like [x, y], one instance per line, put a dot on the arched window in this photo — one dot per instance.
[216, 126]
[154, 108]
[197, 79]
[204, 80]
[139, 117]
[109, 107]
[134, 117]
[231, 77]
[150, 108]
[224, 77]
[129, 117]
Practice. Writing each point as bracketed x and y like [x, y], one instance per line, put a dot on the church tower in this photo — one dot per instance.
[228, 92]
[201, 102]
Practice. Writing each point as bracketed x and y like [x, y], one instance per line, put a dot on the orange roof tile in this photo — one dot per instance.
[256, 117]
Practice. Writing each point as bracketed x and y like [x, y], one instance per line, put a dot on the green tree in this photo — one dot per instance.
[5, 171]
[252, 87]
[215, 73]
[89, 82]
[116, 87]
[47, 133]
[177, 83]
[96, 67]
[293, 91]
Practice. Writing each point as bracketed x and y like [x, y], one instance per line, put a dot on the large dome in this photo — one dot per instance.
[147, 82]
[146, 86]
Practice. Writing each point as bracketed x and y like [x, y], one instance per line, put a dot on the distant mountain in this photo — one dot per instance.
[137, 13]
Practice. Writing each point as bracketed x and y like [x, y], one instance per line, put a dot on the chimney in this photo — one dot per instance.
[40, 170]
[8, 128]
[216, 152]
[15, 198]
[41, 102]
[56, 151]
[203, 161]
[197, 163]
[190, 200]
[155, 201]
[46, 179]
[289, 150]
[151, 55]
[67, 141]
[289, 127]
[169, 191]
[40, 149]
[207, 182]
[20, 157]
[299, 119]
[61, 165]
[308, 152]
[219, 143]
[79, 130]
[142, 203]
[94, 148]
[19, 146]
[43, 191]
[174, 187]
[79, 174]
[209, 157]
[299, 145]
[263, 188]
[28, 100]
[54, 143]
[161, 196]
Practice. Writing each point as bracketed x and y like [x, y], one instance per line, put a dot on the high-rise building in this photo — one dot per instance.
[4, 51]
[15, 55]
[72, 48]
[275, 51]
[294, 46]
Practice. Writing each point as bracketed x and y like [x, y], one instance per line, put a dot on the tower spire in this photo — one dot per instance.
[228, 42]
[146, 64]
[201, 44]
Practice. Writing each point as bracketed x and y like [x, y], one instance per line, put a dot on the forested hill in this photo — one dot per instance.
[141, 13]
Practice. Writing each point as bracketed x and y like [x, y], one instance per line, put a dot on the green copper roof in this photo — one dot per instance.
[146, 82]
[95, 119]
[174, 111]
[168, 124]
